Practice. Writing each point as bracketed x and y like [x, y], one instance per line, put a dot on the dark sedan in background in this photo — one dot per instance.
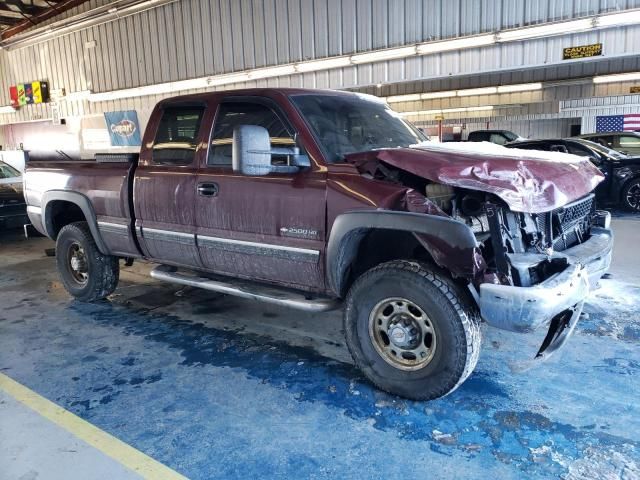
[13, 209]
[623, 142]
[622, 172]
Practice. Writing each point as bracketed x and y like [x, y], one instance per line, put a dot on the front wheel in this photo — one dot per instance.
[86, 273]
[631, 195]
[411, 330]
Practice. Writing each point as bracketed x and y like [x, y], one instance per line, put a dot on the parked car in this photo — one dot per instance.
[499, 137]
[623, 142]
[13, 208]
[622, 173]
[315, 199]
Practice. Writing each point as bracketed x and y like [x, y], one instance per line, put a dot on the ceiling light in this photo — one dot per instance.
[412, 97]
[447, 110]
[324, 64]
[456, 44]
[271, 72]
[476, 91]
[521, 87]
[226, 79]
[618, 77]
[382, 55]
[7, 109]
[75, 96]
[432, 95]
[618, 19]
[559, 28]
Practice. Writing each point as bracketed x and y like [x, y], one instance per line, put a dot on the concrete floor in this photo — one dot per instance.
[217, 387]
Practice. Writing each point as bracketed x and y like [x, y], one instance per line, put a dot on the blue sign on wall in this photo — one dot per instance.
[124, 128]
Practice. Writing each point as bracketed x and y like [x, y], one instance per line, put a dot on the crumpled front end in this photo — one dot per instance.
[540, 245]
[544, 268]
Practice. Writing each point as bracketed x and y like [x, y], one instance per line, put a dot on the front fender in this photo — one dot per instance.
[451, 243]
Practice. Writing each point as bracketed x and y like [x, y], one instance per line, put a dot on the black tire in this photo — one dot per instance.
[98, 274]
[630, 197]
[450, 310]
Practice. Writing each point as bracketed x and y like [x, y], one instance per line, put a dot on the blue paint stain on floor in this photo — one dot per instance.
[216, 403]
[213, 403]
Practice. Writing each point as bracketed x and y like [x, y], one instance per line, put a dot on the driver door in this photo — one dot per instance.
[269, 228]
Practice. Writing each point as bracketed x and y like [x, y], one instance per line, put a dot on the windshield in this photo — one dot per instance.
[602, 150]
[7, 171]
[346, 124]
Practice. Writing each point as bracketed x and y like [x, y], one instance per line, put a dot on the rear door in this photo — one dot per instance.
[165, 185]
[269, 228]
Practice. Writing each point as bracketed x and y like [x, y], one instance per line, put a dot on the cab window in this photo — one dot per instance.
[497, 138]
[177, 134]
[233, 114]
[629, 141]
[605, 140]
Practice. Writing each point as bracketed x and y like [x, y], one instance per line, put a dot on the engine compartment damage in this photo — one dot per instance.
[523, 211]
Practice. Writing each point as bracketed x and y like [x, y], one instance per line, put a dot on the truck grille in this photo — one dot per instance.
[571, 224]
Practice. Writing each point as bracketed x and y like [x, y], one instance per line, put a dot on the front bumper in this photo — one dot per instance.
[526, 309]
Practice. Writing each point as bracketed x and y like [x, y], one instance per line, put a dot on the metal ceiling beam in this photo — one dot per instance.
[44, 14]
[24, 8]
[8, 21]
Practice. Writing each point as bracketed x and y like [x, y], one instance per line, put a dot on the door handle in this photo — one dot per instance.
[208, 189]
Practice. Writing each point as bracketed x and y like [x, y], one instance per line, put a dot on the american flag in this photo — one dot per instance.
[618, 123]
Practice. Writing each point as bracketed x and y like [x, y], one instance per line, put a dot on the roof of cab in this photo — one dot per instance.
[268, 92]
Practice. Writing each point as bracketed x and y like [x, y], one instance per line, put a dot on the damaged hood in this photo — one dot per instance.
[527, 181]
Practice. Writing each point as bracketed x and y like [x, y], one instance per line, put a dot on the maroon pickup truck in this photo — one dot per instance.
[313, 199]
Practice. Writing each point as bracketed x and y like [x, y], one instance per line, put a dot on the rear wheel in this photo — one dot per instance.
[86, 273]
[631, 195]
[411, 330]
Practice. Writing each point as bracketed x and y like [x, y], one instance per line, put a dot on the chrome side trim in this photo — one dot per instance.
[117, 228]
[255, 248]
[168, 236]
[275, 296]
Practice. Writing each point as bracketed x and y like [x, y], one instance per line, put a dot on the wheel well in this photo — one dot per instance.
[380, 246]
[61, 213]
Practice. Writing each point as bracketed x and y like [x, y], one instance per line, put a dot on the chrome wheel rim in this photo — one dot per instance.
[402, 334]
[77, 263]
[633, 196]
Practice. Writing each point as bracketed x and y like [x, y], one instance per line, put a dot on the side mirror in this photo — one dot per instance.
[251, 153]
[251, 150]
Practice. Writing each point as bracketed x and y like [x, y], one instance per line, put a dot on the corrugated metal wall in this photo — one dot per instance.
[192, 38]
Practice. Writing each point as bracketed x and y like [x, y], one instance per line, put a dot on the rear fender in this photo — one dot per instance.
[79, 200]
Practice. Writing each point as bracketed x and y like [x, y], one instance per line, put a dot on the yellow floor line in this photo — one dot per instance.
[125, 454]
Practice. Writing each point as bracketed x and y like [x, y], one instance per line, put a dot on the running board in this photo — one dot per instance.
[245, 289]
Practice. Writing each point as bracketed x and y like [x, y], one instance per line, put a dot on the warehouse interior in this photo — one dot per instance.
[170, 380]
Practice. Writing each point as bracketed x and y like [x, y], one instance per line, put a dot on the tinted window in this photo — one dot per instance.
[605, 141]
[530, 146]
[510, 136]
[478, 137]
[176, 138]
[232, 114]
[497, 138]
[629, 141]
[7, 171]
[579, 150]
[558, 147]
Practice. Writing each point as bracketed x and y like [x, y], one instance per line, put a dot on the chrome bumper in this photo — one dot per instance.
[526, 309]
